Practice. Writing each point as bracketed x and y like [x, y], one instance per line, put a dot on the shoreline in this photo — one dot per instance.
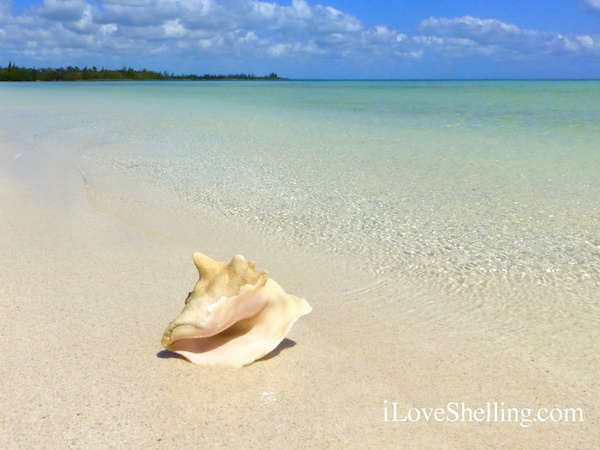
[85, 298]
[495, 311]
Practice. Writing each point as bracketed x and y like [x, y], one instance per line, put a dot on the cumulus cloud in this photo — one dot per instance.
[64, 10]
[489, 30]
[196, 25]
[300, 30]
[496, 38]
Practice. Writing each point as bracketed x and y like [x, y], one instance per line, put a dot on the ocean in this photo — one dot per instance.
[475, 204]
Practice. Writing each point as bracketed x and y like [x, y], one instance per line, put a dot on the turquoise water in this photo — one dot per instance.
[483, 196]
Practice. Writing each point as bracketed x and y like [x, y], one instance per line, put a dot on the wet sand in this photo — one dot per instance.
[85, 296]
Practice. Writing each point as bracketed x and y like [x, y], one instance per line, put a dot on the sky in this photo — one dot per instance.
[324, 39]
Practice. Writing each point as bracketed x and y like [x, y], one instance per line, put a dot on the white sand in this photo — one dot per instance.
[84, 299]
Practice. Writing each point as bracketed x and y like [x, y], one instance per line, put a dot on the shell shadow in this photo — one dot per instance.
[283, 345]
[166, 354]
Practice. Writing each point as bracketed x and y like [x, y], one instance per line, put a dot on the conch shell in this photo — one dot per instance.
[234, 315]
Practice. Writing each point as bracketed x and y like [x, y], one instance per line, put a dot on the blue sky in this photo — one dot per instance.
[310, 39]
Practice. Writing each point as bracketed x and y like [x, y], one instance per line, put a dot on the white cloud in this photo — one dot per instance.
[64, 10]
[174, 29]
[249, 36]
[200, 24]
[499, 39]
[299, 31]
[592, 5]
[84, 24]
[587, 41]
[108, 28]
[490, 30]
[277, 50]
[300, 10]
[294, 49]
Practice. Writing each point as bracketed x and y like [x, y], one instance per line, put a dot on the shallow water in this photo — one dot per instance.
[482, 197]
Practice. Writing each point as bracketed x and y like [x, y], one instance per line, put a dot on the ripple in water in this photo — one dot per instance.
[480, 198]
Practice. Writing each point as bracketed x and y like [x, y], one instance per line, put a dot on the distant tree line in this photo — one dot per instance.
[14, 73]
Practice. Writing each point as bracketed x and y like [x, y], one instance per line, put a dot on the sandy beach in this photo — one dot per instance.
[86, 295]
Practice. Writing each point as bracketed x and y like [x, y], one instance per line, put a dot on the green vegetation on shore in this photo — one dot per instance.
[15, 73]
